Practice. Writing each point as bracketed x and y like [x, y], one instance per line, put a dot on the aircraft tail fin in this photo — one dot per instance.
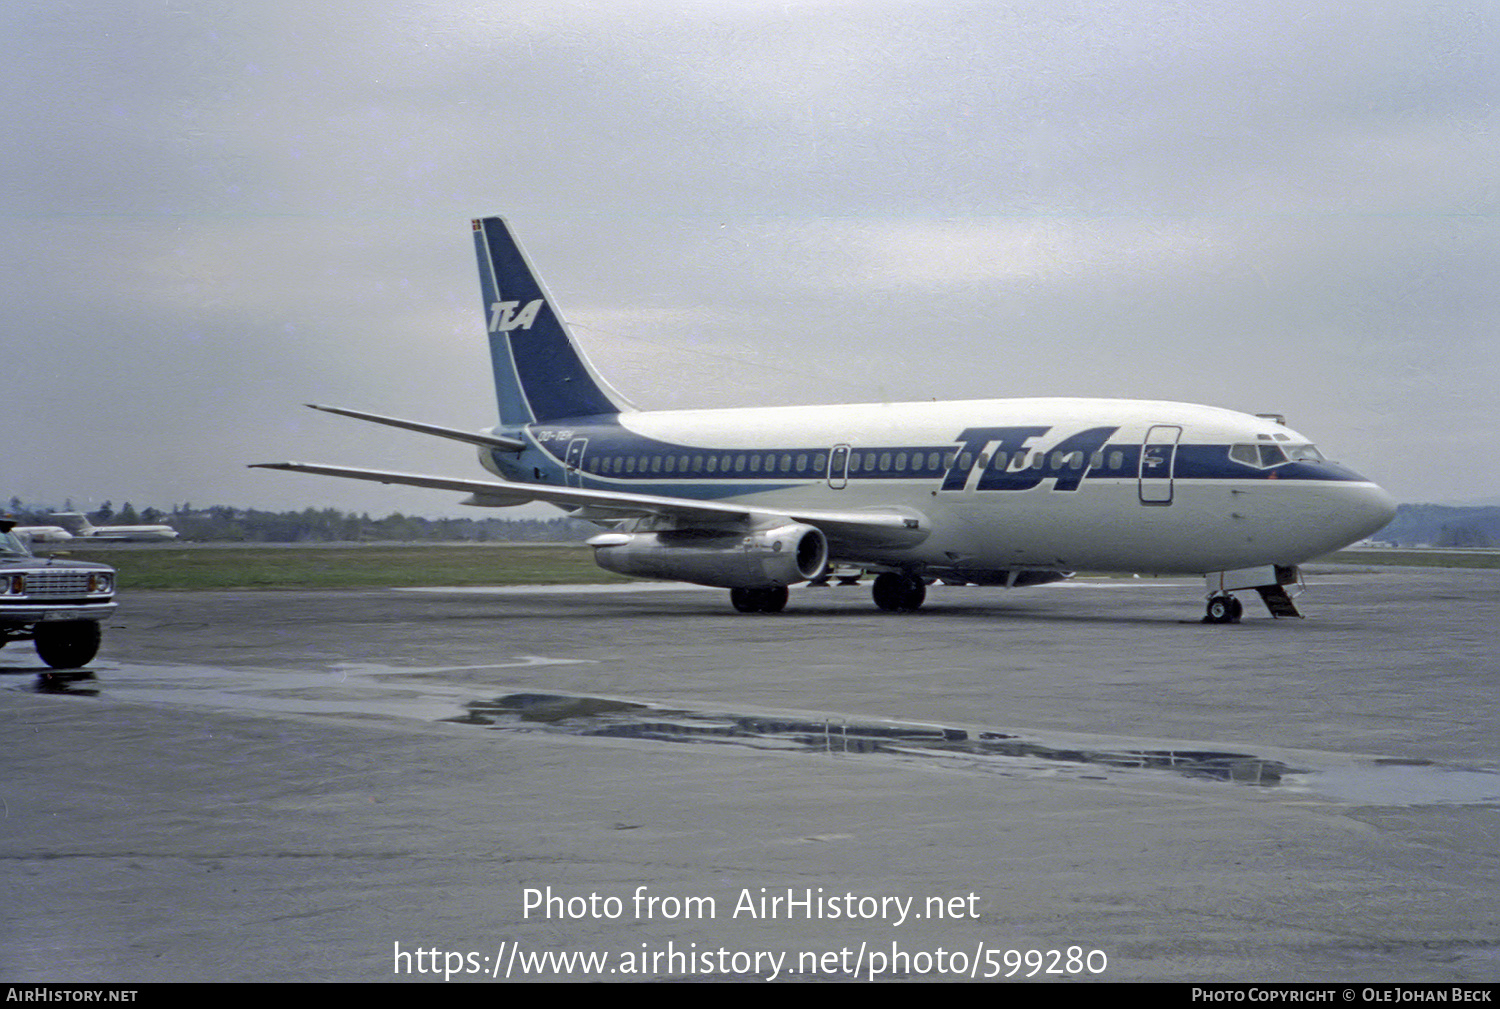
[74, 522]
[540, 373]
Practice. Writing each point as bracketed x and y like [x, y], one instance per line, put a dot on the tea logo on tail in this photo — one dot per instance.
[504, 317]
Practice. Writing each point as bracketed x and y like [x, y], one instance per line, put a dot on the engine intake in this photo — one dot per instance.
[766, 558]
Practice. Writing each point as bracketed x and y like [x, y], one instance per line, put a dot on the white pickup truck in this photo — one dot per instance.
[55, 604]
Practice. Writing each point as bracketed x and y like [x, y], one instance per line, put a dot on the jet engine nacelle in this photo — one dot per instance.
[766, 558]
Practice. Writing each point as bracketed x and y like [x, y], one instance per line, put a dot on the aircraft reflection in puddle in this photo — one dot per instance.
[997, 751]
[1378, 782]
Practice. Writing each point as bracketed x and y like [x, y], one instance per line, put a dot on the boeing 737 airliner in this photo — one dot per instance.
[990, 492]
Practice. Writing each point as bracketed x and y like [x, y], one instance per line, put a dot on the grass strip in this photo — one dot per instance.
[351, 567]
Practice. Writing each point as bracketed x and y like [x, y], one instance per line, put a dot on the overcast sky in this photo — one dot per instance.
[217, 212]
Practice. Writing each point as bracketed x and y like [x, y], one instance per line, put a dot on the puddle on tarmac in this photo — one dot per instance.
[1405, 783]
[433, 694]
[1377, 782]
[995, 751]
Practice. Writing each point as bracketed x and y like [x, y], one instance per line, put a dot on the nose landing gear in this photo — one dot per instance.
[1224, 609]
[1270, 582]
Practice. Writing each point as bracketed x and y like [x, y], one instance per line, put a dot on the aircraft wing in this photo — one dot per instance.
[887, 528]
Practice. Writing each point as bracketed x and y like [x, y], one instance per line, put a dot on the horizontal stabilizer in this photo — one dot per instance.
[494, 494]
[471, 437]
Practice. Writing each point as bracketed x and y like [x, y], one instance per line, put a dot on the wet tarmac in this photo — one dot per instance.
[305, 785]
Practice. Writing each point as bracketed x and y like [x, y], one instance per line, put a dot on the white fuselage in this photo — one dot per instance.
[1056, 484]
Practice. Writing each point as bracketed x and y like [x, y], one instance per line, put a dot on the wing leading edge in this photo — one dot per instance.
[890, 528]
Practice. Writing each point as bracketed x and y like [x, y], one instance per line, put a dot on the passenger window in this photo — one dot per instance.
[1116, 460]
[966, 461]
[949, 460]
[900, 462]
[1038, 460]
[656, 464]
[713, 464]
[984, 460]
[820, 462]
[934, 461]
[802, 462]
[1096, 461]
[755, 464]
[697, 464]
[786, 463]
[682, 463]
[1057, 460]
[1000, 460]
[671, 464]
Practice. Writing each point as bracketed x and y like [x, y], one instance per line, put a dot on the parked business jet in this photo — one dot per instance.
[43, 534]
[992, 492]
[79, 526]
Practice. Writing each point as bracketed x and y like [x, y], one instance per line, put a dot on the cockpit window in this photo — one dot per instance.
[1264, 456]
[1271, 455]
[1304, 453]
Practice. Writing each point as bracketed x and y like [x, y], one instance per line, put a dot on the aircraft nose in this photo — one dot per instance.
[1371, 512]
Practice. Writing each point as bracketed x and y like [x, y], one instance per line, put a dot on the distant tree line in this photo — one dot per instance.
[1442, 526]
[223, 524]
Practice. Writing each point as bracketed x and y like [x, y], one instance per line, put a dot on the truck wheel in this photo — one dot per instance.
[68, 645]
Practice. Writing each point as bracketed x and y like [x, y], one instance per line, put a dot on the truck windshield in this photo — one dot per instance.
[11, 546]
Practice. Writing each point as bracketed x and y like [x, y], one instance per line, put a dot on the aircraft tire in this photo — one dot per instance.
[1222, 610]
[771, 600]
[899, 593]
[68, 645]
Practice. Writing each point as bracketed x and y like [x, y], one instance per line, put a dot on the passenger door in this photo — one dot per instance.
[575, 461]
[1158, 455]
[838, 467]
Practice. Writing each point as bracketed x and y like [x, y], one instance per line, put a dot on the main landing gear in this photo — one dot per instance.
[771, 600]
[893, 592]
[899, 593]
